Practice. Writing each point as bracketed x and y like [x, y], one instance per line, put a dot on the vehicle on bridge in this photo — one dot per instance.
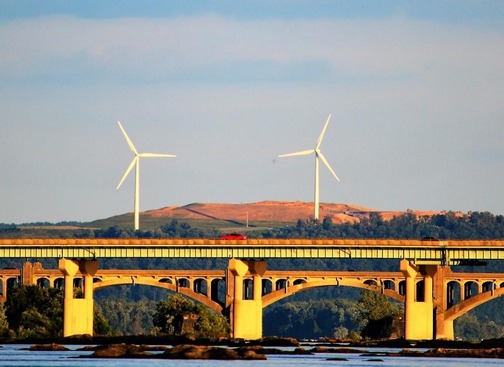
[233, 236]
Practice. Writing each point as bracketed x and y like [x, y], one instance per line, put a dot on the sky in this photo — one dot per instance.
[415, 89]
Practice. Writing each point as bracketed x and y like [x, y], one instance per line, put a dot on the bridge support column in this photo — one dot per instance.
[3, 296]
[246, 314]
[444, 328]
[418, 316]
[78, 312]
[27, 274]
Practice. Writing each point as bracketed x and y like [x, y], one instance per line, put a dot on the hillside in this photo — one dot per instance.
[223, 217]
[269, 211]
[259, 215]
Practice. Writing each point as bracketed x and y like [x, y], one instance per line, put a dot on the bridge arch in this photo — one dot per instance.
[44, 282]
[166, 280]
[300, 284]
[49, 280]
[183, 282]
[165, 283]
[467, 305]
[7, 282]
[389, 284]
[488, 286]
[460, 290]
[200, 286]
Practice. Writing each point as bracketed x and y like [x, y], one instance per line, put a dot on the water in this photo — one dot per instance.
[14, 355]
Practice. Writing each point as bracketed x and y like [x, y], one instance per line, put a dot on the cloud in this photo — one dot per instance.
[142, 48]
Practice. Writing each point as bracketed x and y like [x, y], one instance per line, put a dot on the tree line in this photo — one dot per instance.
[449, 225]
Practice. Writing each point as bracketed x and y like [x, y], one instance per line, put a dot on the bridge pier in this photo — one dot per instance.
[444, 328]
[424, 315]
[28, 273]
[78, 313]
[418, 315]
[245, 304]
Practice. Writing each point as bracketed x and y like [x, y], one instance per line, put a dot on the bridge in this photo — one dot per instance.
[448, 252]
[432, 294]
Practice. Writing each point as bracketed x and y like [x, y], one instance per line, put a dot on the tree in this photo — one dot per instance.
[4, 325]
[173, 315]
[35, 324]
[377, 314]
[211, 324]
[34, 311]
[468, 327]
[101, 325]
[127, 317]
[169, 316]
[311, 319]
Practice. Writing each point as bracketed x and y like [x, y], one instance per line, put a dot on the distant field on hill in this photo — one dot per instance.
[223, 217]
[246, 216]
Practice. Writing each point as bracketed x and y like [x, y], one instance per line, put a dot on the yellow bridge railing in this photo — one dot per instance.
[427, 251]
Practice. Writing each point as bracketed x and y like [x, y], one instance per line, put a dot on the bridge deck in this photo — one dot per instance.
[446, 251]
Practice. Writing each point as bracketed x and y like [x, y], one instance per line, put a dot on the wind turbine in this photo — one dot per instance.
[136, 162]
[318, 154]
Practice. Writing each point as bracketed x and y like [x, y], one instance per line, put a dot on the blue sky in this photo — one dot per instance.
[415, 90]
[482, 12]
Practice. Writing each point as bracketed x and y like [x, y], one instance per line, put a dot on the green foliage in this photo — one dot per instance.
[311, 319]
[450, 225]
[113, 232]
[33, 311]
[126, 317]
[211, 324]
[174, 229]
[101, 326]
[375, 306]
[4, 325]
[35, 324]
[468, 327]
[173, 315]
[377, 313]
[371, 316]
[133, 293]
[6, 229]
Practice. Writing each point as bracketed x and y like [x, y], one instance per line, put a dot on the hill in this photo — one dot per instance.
[264, 214]
[271, 211]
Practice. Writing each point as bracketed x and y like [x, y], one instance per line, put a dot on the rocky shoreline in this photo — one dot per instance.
[265, 342]
[259, 350]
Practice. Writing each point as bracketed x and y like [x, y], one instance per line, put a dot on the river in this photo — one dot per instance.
[14, 355]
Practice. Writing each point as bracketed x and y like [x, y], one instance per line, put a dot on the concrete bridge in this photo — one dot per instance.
[432, 294]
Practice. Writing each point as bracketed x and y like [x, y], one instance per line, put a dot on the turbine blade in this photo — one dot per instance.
[130, 167]
[321, 156]
[319, 141]
[303, 152]
[128, 140]
[156, 155]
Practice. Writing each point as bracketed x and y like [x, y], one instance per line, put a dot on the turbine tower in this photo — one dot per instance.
[318, 154]
[136, 162]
